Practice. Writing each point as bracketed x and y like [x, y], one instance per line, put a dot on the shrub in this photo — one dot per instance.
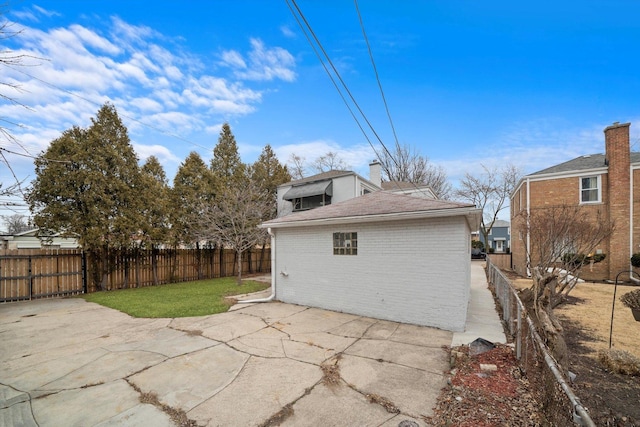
[576, 260]
[635, 259]
[477, 244]
[631, 299]
[620, 362]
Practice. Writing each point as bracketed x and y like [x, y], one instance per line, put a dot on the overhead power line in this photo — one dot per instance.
[155, 128]
[306, 30]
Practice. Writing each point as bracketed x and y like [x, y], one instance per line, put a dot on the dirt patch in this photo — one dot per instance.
[178, 416]
[612, 399]
[388, 405]
[497, 395]
[279, 417]
[331, 372]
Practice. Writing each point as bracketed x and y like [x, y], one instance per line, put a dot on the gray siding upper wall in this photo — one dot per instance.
[415, 271]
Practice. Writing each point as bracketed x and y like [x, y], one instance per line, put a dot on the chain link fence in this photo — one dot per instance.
[559, 404]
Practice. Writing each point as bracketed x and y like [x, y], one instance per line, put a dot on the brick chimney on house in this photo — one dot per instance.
[617, 156]
[375, 173]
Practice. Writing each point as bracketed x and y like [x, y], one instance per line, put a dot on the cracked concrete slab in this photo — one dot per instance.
[262, 388]
[188, 380]
[413, 391]
[410, 355]
[142, 415]
[17, 415]
[106, 368]
[165, 341]
[84, 406]
[341, 406]
[69, 362]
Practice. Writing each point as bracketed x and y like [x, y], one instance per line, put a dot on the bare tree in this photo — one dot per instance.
[490, 192]
[561, 240]
[233, 220]
[10, 59]
[329, 162]
[16, 223]
[405, 165]
[296, 166]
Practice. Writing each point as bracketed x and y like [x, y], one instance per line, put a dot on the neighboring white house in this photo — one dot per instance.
[383, 255]
[33, 239]
[338, 185]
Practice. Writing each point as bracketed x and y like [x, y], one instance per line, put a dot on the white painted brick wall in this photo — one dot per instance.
[414, 271]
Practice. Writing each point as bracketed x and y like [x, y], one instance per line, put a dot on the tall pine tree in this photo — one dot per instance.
[88, 185]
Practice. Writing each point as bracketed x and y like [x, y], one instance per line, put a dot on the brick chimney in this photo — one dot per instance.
[375, 173]
[617, 156]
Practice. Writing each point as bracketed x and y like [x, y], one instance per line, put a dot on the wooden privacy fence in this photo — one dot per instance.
[502, 261]
[29, 274]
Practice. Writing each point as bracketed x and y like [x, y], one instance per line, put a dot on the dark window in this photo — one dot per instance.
[306, 203]
[345, 243]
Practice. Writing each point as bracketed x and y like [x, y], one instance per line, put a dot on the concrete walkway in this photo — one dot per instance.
[483, 320]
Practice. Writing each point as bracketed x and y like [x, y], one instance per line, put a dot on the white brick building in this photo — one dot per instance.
[382, 255]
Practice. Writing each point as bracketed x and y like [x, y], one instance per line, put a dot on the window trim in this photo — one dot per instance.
[343, 237]
[598, 188]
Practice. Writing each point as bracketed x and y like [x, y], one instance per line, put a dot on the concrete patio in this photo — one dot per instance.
[67, 362]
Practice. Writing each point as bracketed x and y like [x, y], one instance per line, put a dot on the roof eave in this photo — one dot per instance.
[472, 215]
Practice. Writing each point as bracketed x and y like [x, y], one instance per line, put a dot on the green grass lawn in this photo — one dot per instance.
[199, 298]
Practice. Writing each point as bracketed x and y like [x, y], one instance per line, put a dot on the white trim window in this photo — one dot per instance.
[590, 189]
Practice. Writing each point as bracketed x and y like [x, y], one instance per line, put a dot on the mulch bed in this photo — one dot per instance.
[486, 397]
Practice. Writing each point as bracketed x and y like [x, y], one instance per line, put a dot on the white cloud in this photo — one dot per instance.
[163, 154]
[288, 32]
[94, 40]
[357, 157]
[263, 63]
[165, 95]
[231, 58]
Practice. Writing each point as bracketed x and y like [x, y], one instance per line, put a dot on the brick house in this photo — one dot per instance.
[605, 184]
[384, 255]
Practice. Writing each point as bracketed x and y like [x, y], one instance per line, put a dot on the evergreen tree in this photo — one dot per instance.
[226, 165]
[93, 191]
[155, 209]
[192, 190]
[268, 173]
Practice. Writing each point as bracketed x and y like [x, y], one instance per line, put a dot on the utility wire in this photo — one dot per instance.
[346, 88]
[313, 46]
[375, 70]
[298, 18]
[99, 105]
[34, 157]
[384, 99]
[335, 84]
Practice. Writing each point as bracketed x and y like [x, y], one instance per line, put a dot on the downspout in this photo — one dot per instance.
[273, 273]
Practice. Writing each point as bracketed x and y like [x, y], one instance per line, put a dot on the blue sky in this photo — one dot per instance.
[466, 82]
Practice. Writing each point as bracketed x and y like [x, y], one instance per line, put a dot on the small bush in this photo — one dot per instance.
[477, 244]
[635, 259]
[631, 299]
[620, 362]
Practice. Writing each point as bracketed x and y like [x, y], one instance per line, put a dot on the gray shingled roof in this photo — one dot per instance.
[590, 161]
[321, 176]
[376, 203]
